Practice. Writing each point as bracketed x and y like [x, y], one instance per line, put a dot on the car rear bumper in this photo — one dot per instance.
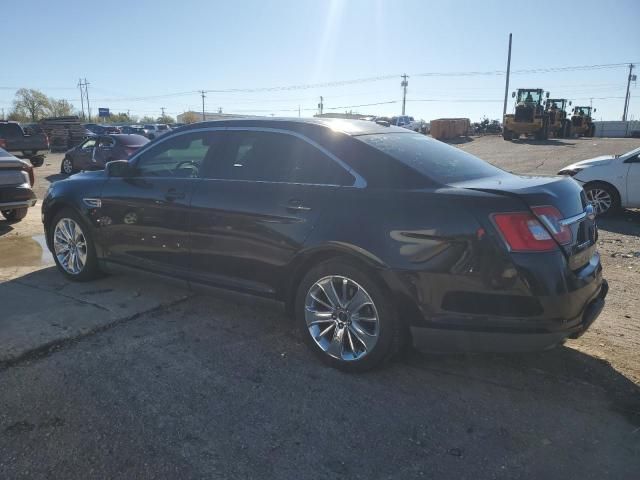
[516, 334]
[16, 197]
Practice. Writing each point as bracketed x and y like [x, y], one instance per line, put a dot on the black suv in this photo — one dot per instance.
[372, 235]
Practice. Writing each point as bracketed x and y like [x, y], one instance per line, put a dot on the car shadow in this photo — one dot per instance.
[562, 366]
[549, 142]
[55, 177]
[5, 227]
[626, 222]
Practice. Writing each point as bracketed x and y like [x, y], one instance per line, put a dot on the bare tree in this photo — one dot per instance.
[191, 117]
[31, 103]
[59, 108]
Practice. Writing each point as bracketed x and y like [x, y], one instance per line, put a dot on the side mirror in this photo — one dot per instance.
[119, 169]
[595, 110]
[547, 94]
[569, 103]
[513, 94]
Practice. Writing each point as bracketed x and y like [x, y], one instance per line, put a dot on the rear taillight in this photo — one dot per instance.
[525, 232]
[29, 170]
[130, 151]
[46, 139]
[3, 143]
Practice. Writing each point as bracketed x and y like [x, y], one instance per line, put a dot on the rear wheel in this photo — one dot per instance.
[15, 215]
[346, 317]
[506, 134]
[73, 248]
[603, 197]
[592, 131]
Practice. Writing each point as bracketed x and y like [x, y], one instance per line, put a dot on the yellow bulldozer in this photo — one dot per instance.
[530, 117]
[581, 122]
[559, 121]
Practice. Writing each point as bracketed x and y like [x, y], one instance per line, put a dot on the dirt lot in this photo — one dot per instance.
[133, 378]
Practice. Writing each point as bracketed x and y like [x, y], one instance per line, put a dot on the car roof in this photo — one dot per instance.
[349, 127]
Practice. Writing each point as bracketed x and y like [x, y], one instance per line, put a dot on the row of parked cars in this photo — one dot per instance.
[151, 131]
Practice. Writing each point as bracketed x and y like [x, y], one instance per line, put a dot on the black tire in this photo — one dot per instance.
[66, 166]
[91, 268]
[592, 131]
[567, 129]
[15, 215]
[37, 161]
[390, 330]
[591, 190]
[506, 134]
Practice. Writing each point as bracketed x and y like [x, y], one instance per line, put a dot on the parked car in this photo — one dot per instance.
[407, 122]
[155, 130]
[135, 129]
[96, 151]
[97, 129]
[16, 181]
[32, 145]
[370, 235]
[611, 182]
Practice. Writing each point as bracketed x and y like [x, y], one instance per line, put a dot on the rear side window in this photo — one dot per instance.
[435, 160]
[277, 157]
[10, 130]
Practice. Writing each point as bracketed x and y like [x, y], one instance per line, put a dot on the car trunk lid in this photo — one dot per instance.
[562, 193]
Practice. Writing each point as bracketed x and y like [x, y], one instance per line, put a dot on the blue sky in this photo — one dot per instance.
[130, 51]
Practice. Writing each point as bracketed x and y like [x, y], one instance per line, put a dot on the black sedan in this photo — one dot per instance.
[94, 152]
[371, 235]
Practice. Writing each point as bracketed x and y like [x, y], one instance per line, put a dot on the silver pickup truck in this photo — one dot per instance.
[16, 180]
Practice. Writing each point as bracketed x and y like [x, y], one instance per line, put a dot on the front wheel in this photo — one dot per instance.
[506, 134]
[346, 317]
[67, 166]
[73, 248]
[15, 215]
[603, 197]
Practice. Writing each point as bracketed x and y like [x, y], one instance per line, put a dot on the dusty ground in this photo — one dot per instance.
[133, 378]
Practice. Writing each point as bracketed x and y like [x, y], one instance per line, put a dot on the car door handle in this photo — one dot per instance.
[172, 195]
[296, 206]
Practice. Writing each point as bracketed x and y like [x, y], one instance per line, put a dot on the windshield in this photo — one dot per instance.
[556, 103]
[529, 96]
[586, 111]
[436, 160]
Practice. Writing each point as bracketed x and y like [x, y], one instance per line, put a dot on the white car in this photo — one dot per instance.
[406, 121]
[156, 129]
[611, 182]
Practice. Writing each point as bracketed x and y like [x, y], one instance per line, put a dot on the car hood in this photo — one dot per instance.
[592, 162]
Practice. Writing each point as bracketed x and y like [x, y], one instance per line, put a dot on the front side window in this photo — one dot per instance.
[277, 157]
[181, 156]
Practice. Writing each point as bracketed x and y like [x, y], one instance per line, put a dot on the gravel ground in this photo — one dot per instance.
[220, 387]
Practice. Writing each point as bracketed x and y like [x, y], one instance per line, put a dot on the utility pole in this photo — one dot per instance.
[3, 114]
[81, 96]
[506, 85]
[298, 112]
[86, 92]
[219, 109]
[203, 95]
[404, 85]
[626, 97]
[321, 105]
[162, 110]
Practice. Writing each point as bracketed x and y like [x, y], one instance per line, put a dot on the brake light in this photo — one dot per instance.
[3, 143]
[29, 170]
[130, 151]
[525, 232]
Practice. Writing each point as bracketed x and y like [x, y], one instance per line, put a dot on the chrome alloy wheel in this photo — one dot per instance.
[70, 246]
[600, 199]
[67, 166]
[342, 318]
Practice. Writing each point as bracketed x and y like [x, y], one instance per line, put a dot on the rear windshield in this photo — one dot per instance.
[133, 140]
[436, 160]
